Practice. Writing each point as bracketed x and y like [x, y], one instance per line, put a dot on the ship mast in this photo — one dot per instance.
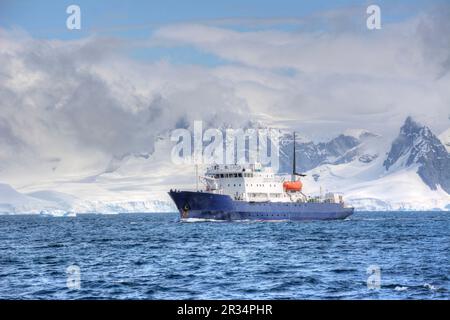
[293, 161]
[294, 164]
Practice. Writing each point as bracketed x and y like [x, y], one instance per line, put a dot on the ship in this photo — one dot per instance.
[254, 192]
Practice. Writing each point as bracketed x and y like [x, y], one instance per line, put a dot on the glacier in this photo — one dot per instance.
[53, 203]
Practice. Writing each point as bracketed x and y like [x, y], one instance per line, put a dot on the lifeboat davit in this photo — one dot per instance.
[292, 185]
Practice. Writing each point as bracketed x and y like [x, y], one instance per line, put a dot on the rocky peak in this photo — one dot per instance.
[417, 145]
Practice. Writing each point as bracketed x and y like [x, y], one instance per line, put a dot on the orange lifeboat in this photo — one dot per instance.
[292, 185]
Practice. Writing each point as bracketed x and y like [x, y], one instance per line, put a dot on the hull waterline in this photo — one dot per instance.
[205, 205]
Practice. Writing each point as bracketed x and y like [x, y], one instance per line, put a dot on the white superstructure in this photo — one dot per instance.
[250, 183]
[255, 183]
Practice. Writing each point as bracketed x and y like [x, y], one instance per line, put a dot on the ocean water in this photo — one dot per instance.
[154, 256]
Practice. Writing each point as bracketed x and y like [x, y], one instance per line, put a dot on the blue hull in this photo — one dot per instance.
[204, 205]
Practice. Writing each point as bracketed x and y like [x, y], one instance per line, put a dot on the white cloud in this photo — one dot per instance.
[68, 107]
[374, 78]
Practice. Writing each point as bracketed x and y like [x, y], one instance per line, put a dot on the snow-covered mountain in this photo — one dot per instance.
[417, 145]
[373, 173]
[12, 201]
[412, 173]
[133, 183]
[342, 149]
[445, 139]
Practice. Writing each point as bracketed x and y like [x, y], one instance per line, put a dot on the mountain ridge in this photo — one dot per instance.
[418, 145]
[372, 173]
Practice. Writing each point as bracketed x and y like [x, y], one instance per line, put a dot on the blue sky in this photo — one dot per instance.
[138, 19]
[46, 19]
